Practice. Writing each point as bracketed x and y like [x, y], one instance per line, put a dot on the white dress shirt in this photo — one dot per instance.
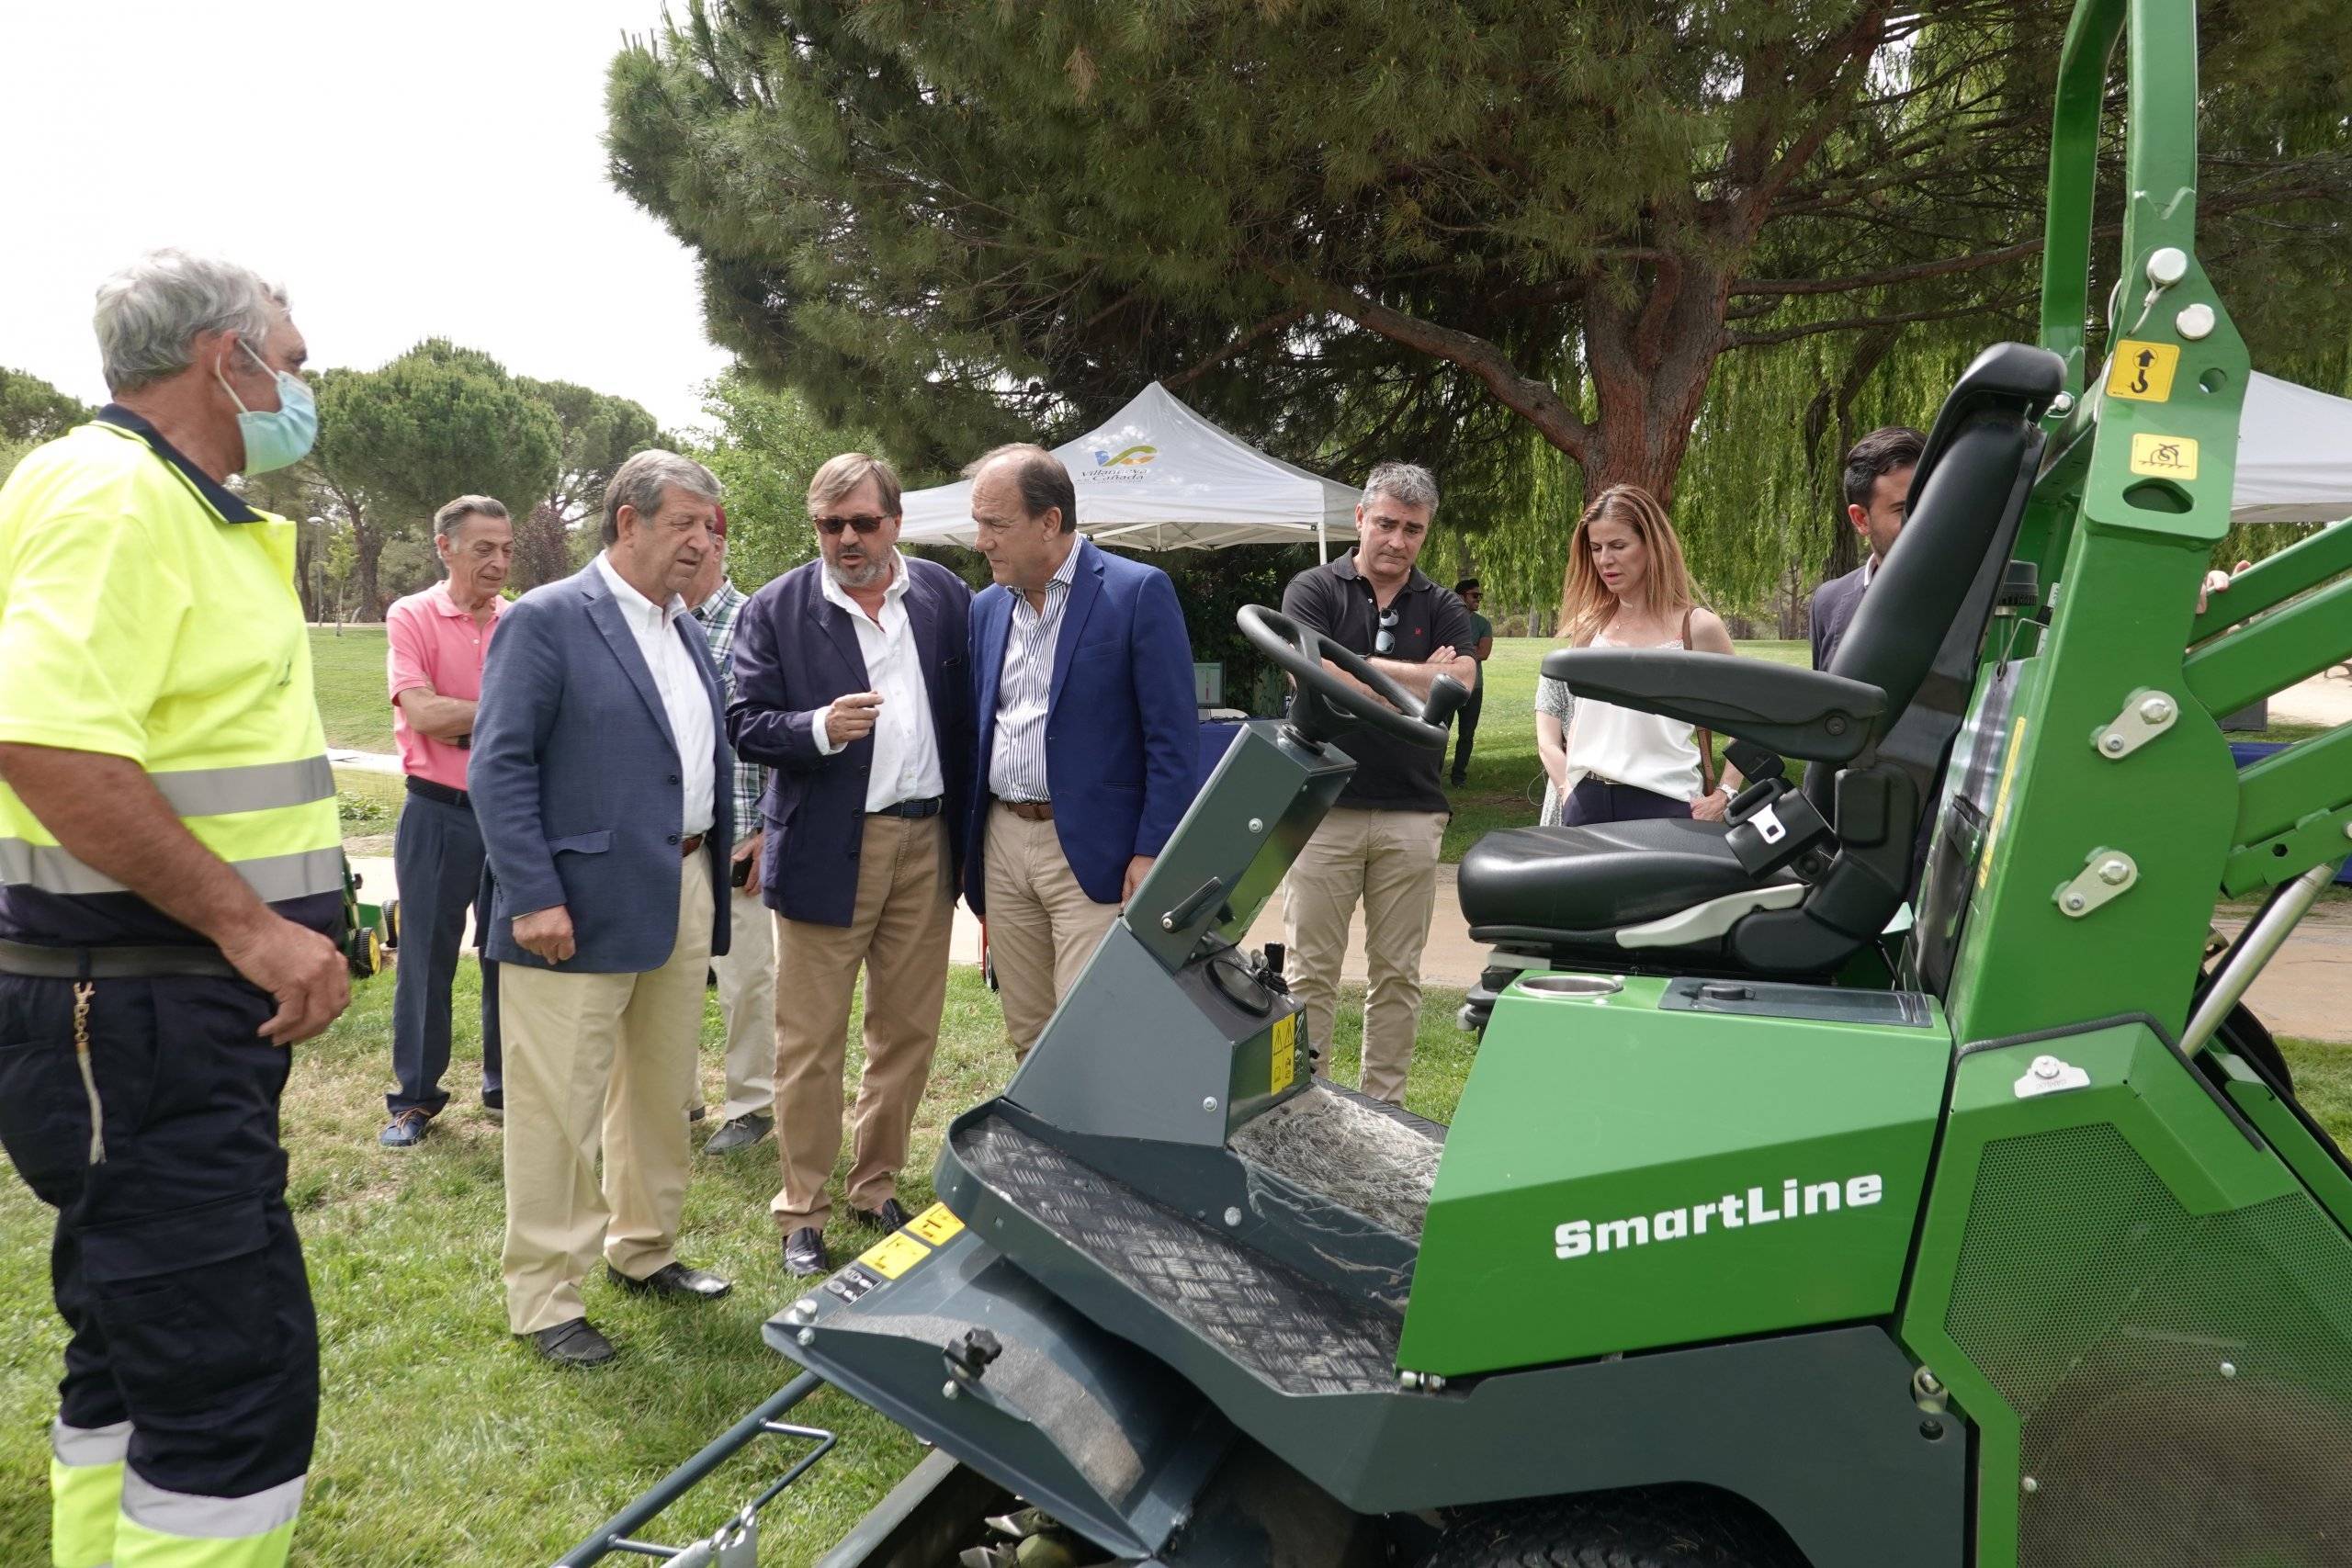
[906, 752]
[655, 626]
[1025, 688]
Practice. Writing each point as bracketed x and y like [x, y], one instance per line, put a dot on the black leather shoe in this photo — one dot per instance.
[804, 1252]
[673, 1279]
[572, 1343]
[890, 1216]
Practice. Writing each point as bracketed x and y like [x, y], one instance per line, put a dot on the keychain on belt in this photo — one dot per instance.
[83, 991]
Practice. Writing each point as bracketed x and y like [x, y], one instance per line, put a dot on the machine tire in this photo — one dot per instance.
[1666, 1528]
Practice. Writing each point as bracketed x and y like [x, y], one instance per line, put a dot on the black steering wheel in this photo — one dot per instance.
[1326, 704]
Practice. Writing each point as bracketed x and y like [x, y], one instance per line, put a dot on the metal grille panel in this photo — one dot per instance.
[1296, 1334]
[2185, 1382]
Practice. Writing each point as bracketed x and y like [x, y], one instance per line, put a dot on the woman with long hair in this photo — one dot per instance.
[1627, 588]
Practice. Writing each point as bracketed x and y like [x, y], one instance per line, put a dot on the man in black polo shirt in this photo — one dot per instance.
[1379, 845]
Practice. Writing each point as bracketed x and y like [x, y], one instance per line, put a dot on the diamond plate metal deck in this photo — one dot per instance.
[1295, 1334]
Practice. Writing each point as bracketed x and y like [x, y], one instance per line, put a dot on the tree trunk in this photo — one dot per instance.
[367, 546]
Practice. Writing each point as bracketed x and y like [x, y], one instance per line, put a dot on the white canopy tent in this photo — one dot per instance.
[1157, 476]
[2294, 454]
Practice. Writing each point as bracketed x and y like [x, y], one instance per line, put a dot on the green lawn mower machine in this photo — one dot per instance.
[1889, 1175]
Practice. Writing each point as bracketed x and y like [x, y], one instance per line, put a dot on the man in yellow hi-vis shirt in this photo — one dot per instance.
[170, 873]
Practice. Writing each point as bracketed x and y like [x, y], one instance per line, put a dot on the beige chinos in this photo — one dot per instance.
[599, 1064]
[898, 932]
[1387, 861]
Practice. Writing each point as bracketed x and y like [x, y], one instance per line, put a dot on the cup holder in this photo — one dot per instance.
[1570, 985]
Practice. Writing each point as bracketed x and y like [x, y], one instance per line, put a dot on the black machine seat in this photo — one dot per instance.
[1875, 729]
[1534, 884]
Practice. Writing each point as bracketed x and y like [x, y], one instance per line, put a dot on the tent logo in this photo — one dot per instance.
[1127, 457]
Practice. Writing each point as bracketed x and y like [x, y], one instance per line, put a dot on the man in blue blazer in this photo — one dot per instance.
[599, 774]
[850, 683]
[1877, 484]
[1082, 685]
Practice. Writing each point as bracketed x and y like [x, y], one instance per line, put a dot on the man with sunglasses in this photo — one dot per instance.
[850, 684]
[1379, 845]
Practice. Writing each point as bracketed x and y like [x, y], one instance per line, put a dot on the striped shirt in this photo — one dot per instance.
[718, 615]
[1026, 690]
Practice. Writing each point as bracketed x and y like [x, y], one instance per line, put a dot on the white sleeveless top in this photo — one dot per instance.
[1642, 750]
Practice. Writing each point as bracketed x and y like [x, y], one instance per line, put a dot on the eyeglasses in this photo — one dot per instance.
[829, 527]
[1386, 641]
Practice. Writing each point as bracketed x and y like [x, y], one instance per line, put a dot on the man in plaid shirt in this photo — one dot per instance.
[747, 970]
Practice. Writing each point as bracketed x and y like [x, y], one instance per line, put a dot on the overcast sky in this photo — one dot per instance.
[430, 168]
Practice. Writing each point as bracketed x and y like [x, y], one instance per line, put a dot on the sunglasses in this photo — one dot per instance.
[1386, 641]
[829, 526]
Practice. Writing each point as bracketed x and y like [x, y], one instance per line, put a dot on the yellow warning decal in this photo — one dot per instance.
[1285, 1050]
[2142, 371]
[894, 1255]
[936, 1224]
[2164, 457]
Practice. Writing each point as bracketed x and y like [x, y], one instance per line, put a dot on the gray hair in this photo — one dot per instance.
[153, 310]
[1043, 480]
[452, 517]
[1407, 482]
[639, 483]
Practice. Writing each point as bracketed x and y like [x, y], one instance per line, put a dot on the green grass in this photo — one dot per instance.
[442, 1439]
[348, 667]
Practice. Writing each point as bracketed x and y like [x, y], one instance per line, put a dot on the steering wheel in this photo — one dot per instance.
[1328, 703]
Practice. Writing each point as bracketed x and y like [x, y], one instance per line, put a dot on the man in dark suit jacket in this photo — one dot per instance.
[599, 774]
[1878, 499]
[850, 683]
[1083, 686]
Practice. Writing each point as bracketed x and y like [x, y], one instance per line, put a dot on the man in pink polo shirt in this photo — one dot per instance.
[439, 638]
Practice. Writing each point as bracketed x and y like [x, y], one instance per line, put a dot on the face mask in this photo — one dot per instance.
[278, 437]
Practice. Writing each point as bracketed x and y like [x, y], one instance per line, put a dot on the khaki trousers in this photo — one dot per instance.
[1042, 926]
[599, 1062]
[747, 1003]
[1387, 860]
[899, 930]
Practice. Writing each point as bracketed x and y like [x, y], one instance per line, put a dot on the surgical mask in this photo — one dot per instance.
[280, 437]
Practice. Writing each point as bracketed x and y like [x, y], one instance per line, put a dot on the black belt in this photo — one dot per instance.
[439, 792]
[917, 809]
[113, 962]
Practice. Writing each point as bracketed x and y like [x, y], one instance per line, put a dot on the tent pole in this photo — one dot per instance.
[1322, 544]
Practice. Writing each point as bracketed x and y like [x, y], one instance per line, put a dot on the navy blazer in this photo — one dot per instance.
[1834, 603]
[1122, 732]
[794, 651]
[574, 779]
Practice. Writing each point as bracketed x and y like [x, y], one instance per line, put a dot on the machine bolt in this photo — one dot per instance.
[1434, 1383]
[949, 1391]
[2114, 744]
[2195, 322]
[1257, 823]
[806, 1306]
[1209, 1104]
[2229, 1369]
[1409, 1382]
[2113, 872]
[2045, 1066]
[2029, 1486]
[2075, 903]
[1233, 1216]
[2156, 710]
[806, 1337]
[2347, 829]
[1923, 1381]
[1931, 1429]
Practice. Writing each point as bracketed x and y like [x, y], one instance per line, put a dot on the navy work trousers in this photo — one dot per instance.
[174, 1265]
[437, 861]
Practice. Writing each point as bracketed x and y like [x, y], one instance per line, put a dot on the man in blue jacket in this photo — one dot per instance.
[850, 683]
[1083, 686]
[600, 777]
